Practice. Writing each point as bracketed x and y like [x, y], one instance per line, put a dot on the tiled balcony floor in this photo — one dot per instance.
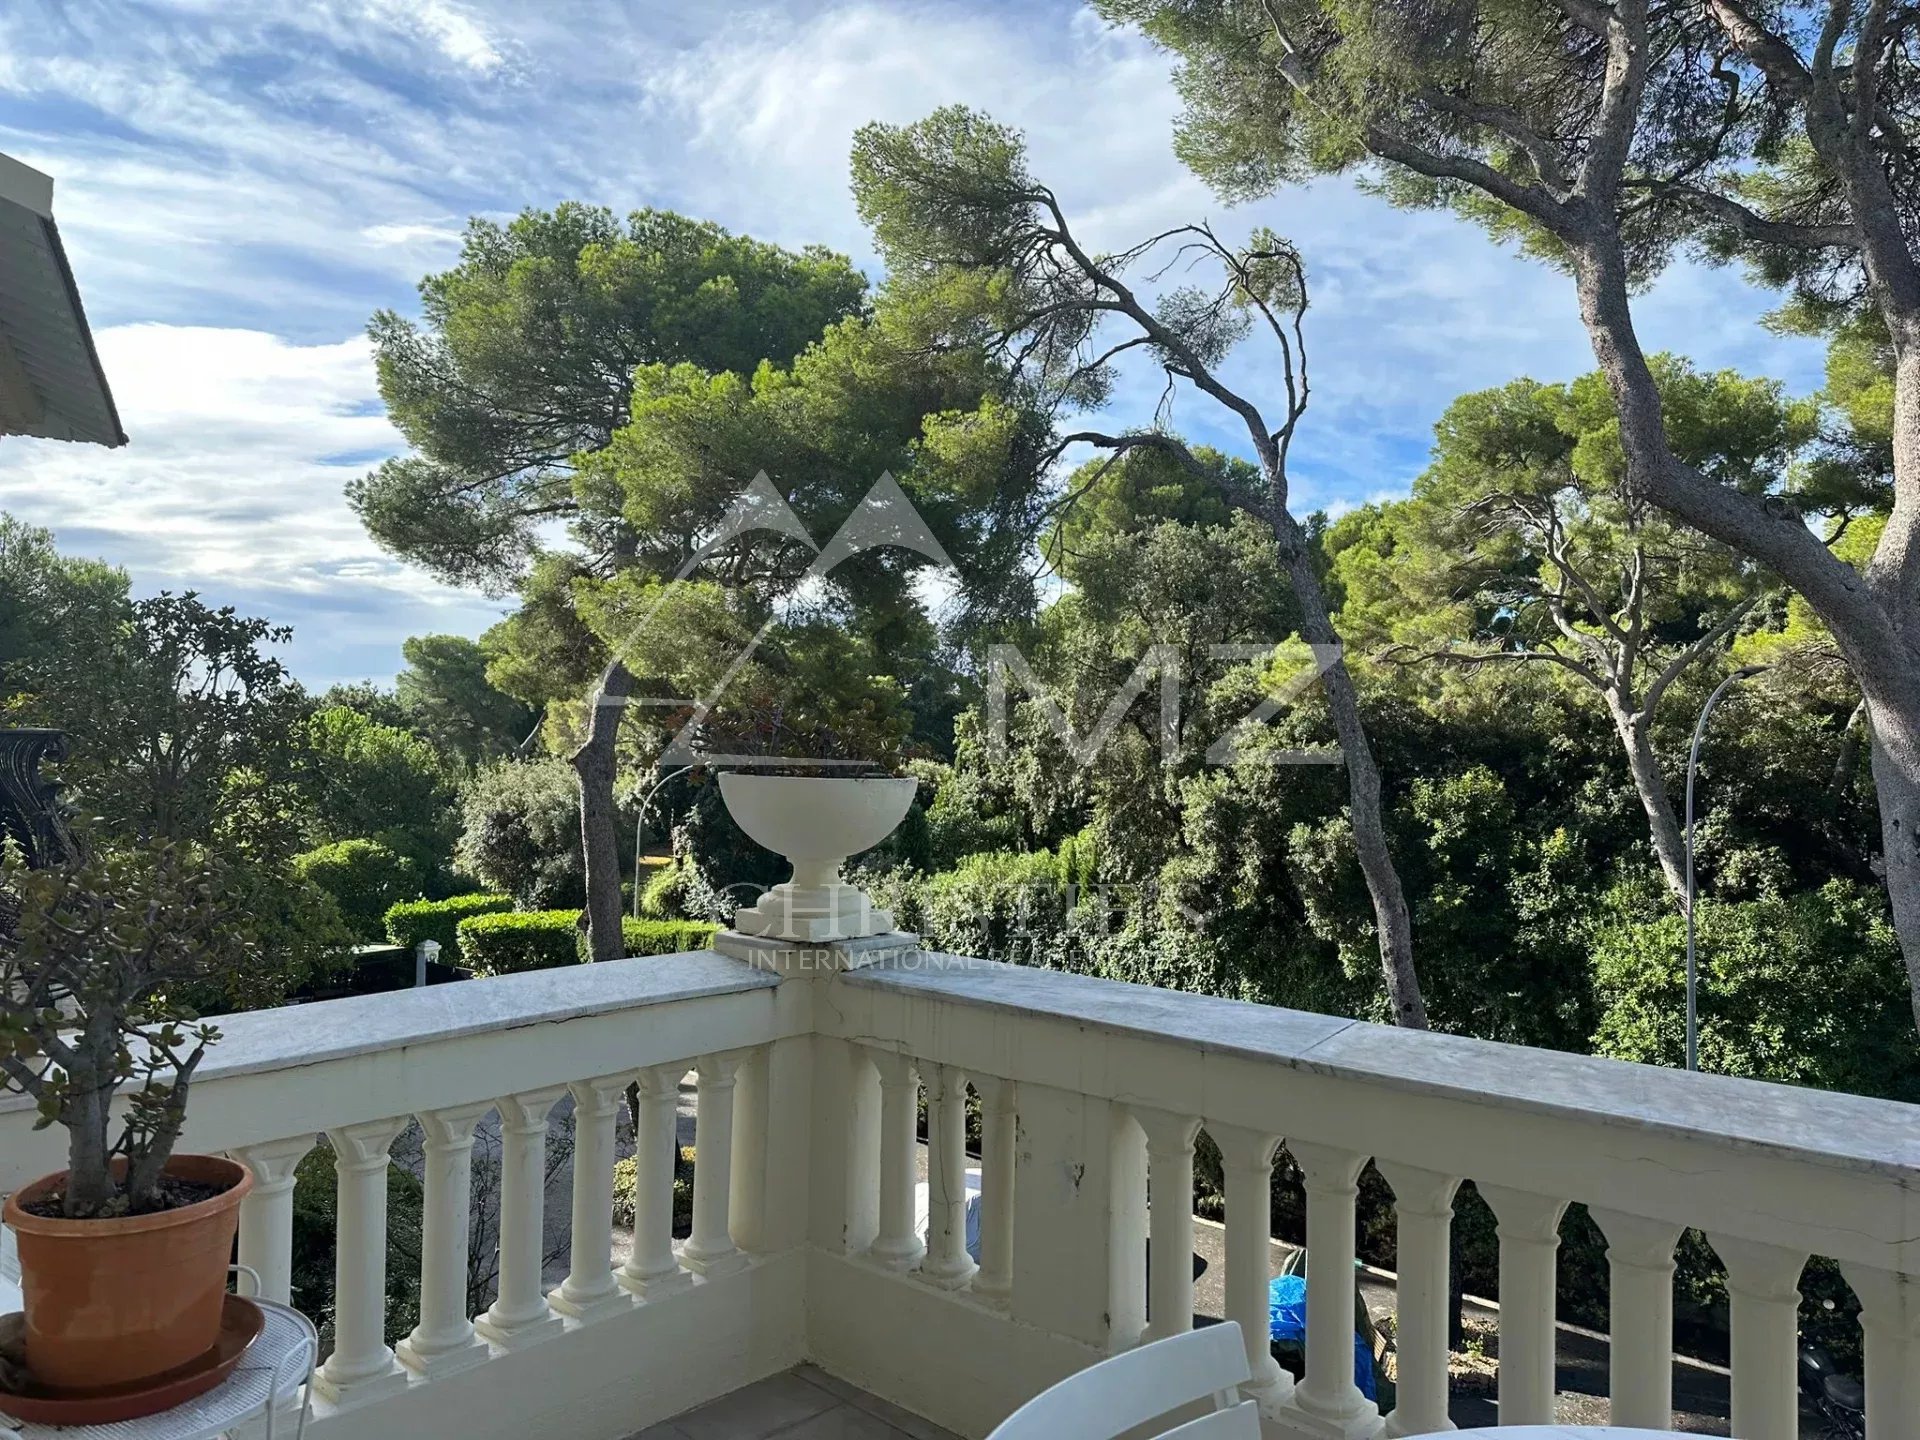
[802, 1404]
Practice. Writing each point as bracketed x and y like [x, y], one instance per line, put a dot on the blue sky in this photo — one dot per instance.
[241, 184]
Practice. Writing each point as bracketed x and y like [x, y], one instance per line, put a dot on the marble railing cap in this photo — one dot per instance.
[1820, 1126]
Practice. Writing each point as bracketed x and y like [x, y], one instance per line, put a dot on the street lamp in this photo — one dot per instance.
[1693, 761]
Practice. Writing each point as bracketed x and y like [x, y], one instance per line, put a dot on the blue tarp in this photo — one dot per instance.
[1287, 1323]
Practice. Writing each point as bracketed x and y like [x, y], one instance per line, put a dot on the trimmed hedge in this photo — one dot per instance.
[412, 921]
[509, 942]
[365, 879]
[512, 941]
[665, 937]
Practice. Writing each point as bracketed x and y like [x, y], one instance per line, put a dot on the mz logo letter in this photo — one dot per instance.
[1004, 661]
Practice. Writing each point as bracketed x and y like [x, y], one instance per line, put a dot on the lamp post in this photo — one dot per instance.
[1693, 762]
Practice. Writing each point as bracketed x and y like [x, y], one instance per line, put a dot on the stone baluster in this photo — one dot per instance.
[1246, 1157]
[947, 1263]
[590, 1290]
[748, 1163]
[444, 1341]
[1327, 1399]
[710, 1249]
[1423, 1210]
[1529, 1232]
[997, 1109]
[1169, 1220]
[1639, 1317]
[1763, 1311]
[520, 1315]
[898, 1245]
[653, 1270]
[362, 1366]
[266, 1215]
[1127, 1252]
[1890, 1330]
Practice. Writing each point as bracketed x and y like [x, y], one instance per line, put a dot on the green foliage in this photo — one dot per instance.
[665, 937]
[624, 1172]
[365, 878]
[411, 921]
[513, 941]
[505, 943]
[447, 698]
[1806, 988]
[520, 832]
[388, 784]
[90, 1004]
[525, 354]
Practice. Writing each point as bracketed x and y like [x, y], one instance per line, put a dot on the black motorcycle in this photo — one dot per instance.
[1837, 1398]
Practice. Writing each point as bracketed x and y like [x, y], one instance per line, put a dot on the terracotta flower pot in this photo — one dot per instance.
[112, 1301]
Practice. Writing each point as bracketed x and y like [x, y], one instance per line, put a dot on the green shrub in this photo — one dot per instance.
[623, 1179]
[520, 833]
[512, 941]
[365, 878]
[412, 921]
[665, 937]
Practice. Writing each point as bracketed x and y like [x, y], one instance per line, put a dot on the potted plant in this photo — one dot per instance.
[124, 1254]
[817, 794]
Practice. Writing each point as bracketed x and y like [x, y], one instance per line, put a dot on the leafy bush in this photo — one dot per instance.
[510, 942]
[506, 943]
[384, 782]
[665, 937]
[1807, 989]
[623, 1178]
[412, 921]
[520, 833]
[365, 878]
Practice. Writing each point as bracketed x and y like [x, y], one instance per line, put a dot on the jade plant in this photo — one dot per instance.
[96, 955]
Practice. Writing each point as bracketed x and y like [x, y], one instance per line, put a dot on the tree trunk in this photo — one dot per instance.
[1864, 614]
[1391, 922]
[1669, 841]
[594, 763]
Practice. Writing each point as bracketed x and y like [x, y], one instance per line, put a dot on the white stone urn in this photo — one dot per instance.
[816, 822]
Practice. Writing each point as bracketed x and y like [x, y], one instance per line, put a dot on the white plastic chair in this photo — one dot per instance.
[1111, 1398]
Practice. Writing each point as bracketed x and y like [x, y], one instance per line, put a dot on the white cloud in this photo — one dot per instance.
[241, 444]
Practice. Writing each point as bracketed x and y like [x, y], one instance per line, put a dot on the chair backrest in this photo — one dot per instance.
[1115, 1396]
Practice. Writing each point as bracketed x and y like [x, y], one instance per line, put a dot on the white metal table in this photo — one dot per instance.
[278, 1364]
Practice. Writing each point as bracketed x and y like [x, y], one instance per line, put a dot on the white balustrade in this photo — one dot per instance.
[1246, 1159]
[653, 1270]
[266, 1215]
[1640, 1317]
[1423, 1213]
[1529, 1232]
[520, 1315]
[947, 1263]
[710, 1249]
[1890, 1330]
[590, 1289]
[1170, 1220]
[362, 1366]
[898, 1244]
[1127, 1251]
[809, 1092]
[747, 1162]
[1326, 1399]
[1763, 1304]
[997, 1121]
[444, 1341]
